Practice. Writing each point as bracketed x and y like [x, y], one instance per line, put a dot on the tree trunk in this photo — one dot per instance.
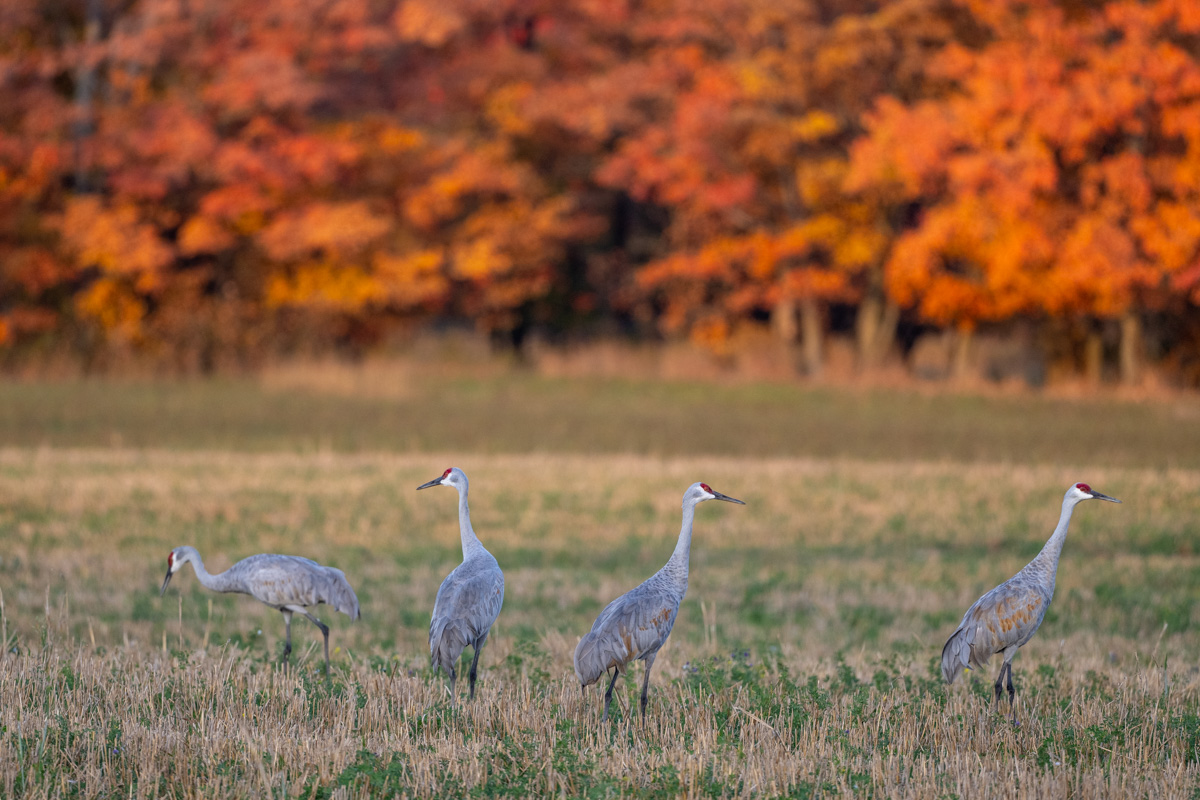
[866, 327]
[875, 329]
[886, 335]
[1093, 358]
[812, 331]
[783, 321]
[961, 367]
[85, 88]
[1131, 348]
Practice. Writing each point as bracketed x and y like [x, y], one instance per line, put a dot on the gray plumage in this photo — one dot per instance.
[636, 624]
[290, 584]
[470, 597]
[1005, 618]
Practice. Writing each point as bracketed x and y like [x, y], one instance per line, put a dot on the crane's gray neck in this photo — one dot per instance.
[676, 569]
[221, 582]
[470, 542]
[1046, 562]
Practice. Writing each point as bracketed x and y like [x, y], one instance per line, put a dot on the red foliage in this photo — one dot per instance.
[689, 163]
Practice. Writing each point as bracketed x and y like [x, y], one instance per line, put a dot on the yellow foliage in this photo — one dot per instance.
[112, 303]
[324, 285]
[394, 139]
[478, 259]
[815, 125]
[249, 222]
[504, 108]
[751, 79]
[410, 266]
[202, 234]
[859, 248]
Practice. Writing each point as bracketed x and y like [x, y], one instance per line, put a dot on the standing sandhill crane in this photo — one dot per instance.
[1005, 618]
[286, 583]
[469, 599]
[637, 624]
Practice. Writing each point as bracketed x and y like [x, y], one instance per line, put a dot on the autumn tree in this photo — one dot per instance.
[35, 160]
[209, 183]
[1055, 177]
[243, 165]
[730, 123]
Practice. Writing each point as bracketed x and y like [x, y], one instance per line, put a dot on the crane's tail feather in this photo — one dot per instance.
[956, 655]
[447, 640]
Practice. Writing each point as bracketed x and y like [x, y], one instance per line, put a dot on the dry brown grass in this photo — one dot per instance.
[801, 665]
[146, 724]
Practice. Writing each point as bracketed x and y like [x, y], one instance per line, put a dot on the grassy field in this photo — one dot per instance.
[803, 663]
[415, 409]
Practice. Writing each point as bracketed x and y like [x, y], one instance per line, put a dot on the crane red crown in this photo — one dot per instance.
[170, 559]
[447, 472]
[1083, 487]
[704, 486]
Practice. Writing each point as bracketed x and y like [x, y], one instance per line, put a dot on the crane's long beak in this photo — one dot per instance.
[717, 495]
[166, 580]
[1098, 496]
[435, 482]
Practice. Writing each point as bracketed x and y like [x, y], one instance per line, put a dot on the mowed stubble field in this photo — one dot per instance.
[803, 662]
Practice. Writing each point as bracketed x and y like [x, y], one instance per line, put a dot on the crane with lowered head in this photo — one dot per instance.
[288, 583]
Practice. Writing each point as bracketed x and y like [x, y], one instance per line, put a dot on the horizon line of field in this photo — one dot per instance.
[124, 454]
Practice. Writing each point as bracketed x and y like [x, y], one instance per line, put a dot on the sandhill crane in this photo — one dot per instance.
[637, 624]
[286, 583]
[1005, 618]
[469, 599]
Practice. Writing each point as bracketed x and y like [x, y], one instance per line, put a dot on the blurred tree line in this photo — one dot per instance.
[211, 183]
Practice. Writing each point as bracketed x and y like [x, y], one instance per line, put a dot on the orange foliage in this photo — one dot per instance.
[116, 240]
[112, 303]
[686, 163]
[340, 230]
[1050, 176]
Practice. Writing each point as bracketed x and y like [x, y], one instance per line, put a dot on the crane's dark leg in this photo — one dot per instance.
[287, 628]
[324, 633]
[453, 677]
[999, 687]
[475, 664]
[1012, 695]
[646, 684]
[608, 694]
